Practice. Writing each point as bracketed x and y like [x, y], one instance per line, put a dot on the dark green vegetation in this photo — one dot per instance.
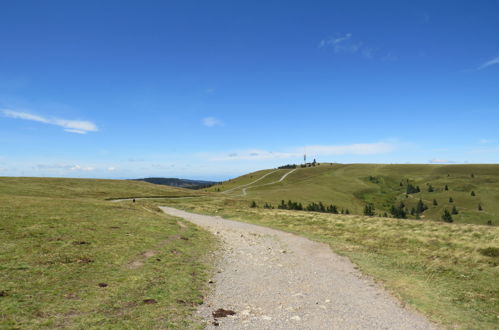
[392, 189]
[70, 258]
[180, 183]
[448, 271]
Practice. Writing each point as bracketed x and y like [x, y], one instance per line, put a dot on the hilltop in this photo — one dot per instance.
[384, 186]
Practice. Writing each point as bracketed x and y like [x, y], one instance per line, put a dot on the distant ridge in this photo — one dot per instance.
[181, 183]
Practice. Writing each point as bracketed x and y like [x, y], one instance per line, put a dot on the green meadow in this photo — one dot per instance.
[352, 186]
[70, 258]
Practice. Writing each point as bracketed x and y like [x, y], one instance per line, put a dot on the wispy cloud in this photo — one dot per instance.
[484, 141]
[345, 43]
[59, 166]
[211, 122]
[319, 150]
[71, 126]
[489, 63]
[441, 161]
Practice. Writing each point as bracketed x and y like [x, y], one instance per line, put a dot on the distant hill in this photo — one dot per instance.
[471, 188]
[181, 183]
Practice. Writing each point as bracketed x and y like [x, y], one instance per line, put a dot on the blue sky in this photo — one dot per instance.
[214, 89]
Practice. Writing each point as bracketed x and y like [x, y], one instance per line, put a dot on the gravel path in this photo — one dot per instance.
[276, 280]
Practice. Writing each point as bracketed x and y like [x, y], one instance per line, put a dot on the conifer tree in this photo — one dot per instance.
[454, 210]
[473, 193]
[430, 188]
[369, 210]
[435, 202]
[446, 187]
[480, 207]
[447, 217]
[451, 200]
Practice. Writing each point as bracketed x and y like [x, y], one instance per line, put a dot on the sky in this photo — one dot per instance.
[215, 89]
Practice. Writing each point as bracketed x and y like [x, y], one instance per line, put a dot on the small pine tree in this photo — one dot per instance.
[446, 187]
[451, 200]
[454, 210]
[435, 202]
[253, 204]
[472, 175]
[430, 188]
[447, 217]
[421, 207]
[369, 210]
[473, 193]
[480, 207]
[347, 211]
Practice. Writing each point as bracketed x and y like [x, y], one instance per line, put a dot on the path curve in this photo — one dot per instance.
[276, 280]
[270, 183]
[249, 184]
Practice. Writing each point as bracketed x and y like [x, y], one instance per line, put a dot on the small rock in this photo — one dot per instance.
[327, 301]
[296, 318]
[222, 313]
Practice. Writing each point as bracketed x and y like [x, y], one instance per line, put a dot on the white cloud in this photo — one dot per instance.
[317, 150]
[211, 122]
[71, 126]
[489, 63]
[441, 161]
[111, 168]
[80, 168]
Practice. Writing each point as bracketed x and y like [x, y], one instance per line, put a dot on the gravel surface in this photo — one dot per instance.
[276, 280]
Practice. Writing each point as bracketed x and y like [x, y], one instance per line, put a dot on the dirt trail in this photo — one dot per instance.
[248, 184]
[276, 280]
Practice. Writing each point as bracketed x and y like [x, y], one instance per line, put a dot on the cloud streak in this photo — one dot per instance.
[70, 126]
[493, 61]
[211, 122]
[441, 161]
[319, 150]
[346, 44]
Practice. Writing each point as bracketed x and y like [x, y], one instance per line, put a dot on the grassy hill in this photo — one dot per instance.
[71, 258]
[352, 186]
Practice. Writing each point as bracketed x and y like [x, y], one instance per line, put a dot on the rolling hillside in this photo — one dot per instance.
[352, 186]
[69, 258]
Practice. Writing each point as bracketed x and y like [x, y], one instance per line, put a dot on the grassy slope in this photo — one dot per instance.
[347, 186]
[447, 271]
[59, 239]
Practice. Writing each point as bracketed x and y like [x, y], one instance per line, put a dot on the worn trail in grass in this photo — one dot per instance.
[276, 280]
[447, 271]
